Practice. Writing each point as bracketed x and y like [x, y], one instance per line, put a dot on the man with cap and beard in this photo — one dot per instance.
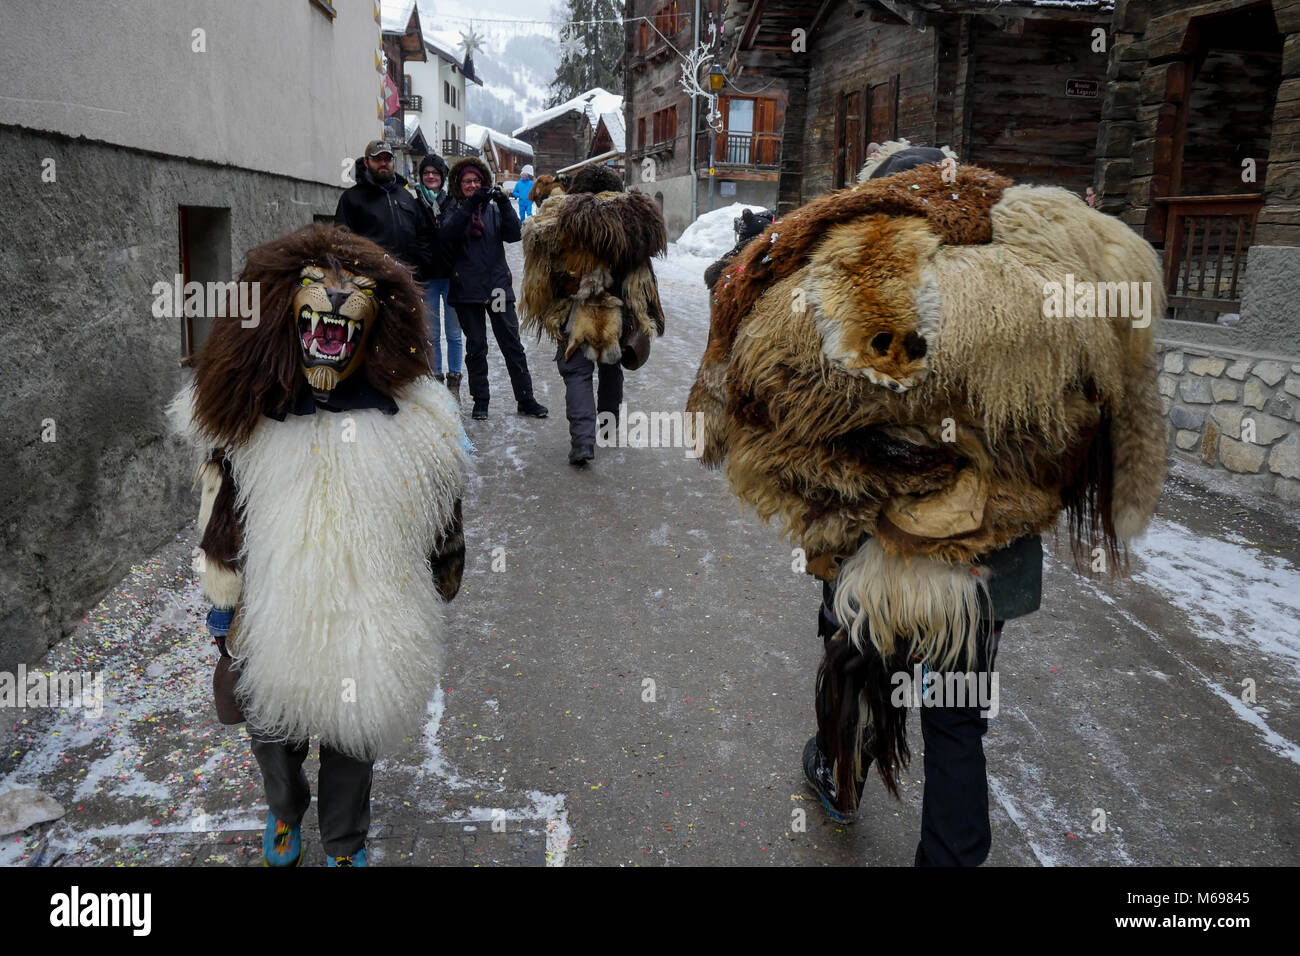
[382, 209]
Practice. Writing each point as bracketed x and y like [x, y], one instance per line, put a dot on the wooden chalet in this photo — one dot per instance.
[1200, 141]
[1013, 86]
[402, 41]
[563, 135]
[504, 155]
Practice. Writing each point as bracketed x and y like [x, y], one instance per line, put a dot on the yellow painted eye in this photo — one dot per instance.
[307, 280]
[367, 291]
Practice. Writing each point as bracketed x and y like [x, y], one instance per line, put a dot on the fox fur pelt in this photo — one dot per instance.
[882, 377]
[588, 280]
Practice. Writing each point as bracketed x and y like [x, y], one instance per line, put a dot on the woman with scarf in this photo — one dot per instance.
[432, 193]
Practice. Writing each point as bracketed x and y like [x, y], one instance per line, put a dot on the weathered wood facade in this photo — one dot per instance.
[1198, 90]
[743, 149]
[1199, 151]
[558, 142]
[1016, 87]
[565, 134]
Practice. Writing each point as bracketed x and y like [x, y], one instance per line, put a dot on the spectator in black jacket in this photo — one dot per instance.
[382, 209]
[478, 222]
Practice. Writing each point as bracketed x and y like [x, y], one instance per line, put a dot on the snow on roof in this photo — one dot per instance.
[591, 104]
[613, 120]
[394, 15]
[475, 135]
[445, 42]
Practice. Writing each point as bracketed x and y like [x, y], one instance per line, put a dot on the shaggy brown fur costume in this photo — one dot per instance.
[587, 266]
[955, 331]
[243, 374]
[883, 376]
[547, 186]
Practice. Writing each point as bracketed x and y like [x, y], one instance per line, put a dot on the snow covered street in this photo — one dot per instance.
[630, 677]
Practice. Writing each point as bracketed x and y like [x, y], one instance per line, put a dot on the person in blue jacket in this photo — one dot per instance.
[523, 189]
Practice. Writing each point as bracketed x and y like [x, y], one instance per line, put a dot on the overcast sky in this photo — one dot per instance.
[451, 14]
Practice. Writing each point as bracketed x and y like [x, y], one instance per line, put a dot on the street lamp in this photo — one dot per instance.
[716, 79]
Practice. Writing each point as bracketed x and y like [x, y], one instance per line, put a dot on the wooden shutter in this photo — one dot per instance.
[884, 111]
[764, 132]
[852, 135]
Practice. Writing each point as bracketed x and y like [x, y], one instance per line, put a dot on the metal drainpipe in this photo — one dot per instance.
[695, 100]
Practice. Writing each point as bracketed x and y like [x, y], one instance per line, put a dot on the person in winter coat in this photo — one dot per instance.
[523, 189]
[382, 209]
[955, 828]
[479, 220]
[431, 190]
[595, 244]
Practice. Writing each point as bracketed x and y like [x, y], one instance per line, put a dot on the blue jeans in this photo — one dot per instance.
[435, 292]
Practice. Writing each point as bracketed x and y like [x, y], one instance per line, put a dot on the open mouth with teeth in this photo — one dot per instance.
[328, 336]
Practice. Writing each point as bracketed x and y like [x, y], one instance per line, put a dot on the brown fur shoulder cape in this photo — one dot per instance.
[897, 371]
[588, 279]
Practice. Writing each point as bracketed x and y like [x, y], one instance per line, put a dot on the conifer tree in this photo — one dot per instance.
[588, 50]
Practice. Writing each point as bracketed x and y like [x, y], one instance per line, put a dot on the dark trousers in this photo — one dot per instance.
[955, 827]
[578, 403]
[343, 800]
[505, 326]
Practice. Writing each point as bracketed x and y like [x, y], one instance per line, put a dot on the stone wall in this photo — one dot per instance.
[92, 482]
[1235, 410]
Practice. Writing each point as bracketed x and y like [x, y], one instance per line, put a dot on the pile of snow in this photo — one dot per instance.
[714, 233]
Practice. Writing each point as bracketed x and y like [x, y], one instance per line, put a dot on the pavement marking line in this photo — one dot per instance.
[1281, 745]
[1044, 857]
[548, 807]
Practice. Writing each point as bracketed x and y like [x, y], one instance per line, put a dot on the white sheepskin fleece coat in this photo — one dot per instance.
[340, 628]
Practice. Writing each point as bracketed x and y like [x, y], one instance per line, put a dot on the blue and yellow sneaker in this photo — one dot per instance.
[281, 843]
[356, 859]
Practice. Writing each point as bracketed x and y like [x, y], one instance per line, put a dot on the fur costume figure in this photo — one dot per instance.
[879, 156]
[332, 477]
[588, 282]
[546, 186]
[888, 373]
[749, 225]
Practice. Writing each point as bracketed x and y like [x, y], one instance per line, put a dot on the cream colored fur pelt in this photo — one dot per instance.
[915, 394]
[340, 629]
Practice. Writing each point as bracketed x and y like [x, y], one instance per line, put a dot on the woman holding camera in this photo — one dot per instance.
[478, 222]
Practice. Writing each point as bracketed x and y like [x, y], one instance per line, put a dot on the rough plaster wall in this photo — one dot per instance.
[279, 86]
[86, 351]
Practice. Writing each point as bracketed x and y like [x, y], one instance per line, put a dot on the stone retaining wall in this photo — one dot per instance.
[1237, 411]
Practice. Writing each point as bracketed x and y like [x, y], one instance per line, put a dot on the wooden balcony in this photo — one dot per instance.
[456, 148]
[1208, 238]
[750, 150]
